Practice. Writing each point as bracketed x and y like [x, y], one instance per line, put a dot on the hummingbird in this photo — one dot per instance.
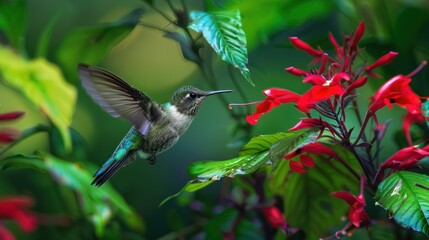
[155, 127]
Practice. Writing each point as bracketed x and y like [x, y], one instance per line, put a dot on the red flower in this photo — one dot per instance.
[275, 96]
[323, 89]
[386, 59]
[357, 214]
[16, 208]
[274, 217]
[397, 91]
[405, 158]
[9, 135]
[296, 42]
[304, 159]
[360, 30]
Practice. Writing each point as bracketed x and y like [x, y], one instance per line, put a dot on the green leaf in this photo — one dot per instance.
[308, 195]
[13, 21]
[98, 205]
[255, 154]
[43, 84]
[222, 30]
[405, 195]
[90, 45]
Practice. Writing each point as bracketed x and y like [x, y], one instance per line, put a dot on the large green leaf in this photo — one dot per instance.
[98, 205]
[255, 154]
[307, 197]
[43, 84]
[405, 195]
[261, 19]
[90, 45]
[223, 32]
[13, 21]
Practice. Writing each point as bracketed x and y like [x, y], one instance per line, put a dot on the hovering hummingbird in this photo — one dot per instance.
[156, 127]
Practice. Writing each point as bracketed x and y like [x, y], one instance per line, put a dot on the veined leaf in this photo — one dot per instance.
[405, 195]
[98, 205]
[255, 154]
[222, 30]
[43, 84]
[91, 44]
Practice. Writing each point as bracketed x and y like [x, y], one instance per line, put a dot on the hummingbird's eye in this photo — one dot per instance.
[191, 95]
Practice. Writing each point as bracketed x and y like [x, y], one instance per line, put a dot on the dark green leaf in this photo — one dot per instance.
[308, 195]
[222, 30]
[13, 21]
[405, 195]
[220, 224]
[98, 205]
[91, 44]
[43, 84]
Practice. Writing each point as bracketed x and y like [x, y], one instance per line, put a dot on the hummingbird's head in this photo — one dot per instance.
[188, 99]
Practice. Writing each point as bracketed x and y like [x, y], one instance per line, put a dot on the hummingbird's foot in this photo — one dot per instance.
[152, 159]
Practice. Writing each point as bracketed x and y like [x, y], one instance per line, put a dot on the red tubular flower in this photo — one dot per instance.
[275, 97]
[405, 158]
[323, 89]
[11, 115]
[296, 71]
[304, 159]
[397, 91]
[311, 123]
[360, 30]
[274, 217]
[386, 59]
[357, 84]
[301, 45]
[357, 214]
[16, 208]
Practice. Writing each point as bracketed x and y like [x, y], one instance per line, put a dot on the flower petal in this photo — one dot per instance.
[297, 167]
[306, 160]
[296, 42]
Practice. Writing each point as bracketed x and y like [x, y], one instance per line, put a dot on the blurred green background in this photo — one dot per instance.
[154, 64]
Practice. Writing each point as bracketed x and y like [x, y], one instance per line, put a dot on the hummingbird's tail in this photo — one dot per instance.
[124, 154]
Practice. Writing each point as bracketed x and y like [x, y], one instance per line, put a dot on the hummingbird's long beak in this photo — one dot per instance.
[217, 92]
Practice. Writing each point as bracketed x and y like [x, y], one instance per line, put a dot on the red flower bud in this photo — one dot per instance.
[296, 42]
[360, 30]
[386, 59]
[296, 71]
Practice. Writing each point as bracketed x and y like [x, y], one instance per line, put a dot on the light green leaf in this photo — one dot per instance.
[98, 205]
[43, 84]
[405, 195]
[90, 45]
[13, 22]
[222, 30]
[308, 195]
[255, 154]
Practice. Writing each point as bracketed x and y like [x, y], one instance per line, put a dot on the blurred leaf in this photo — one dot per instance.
[220, 224]
[256, 153]
[247, 230]
[406, 33]
[90, 45]
[405, 195]
[98, 204]
[222, 30]
[13, 21]
[45, 36]
[261, 19]
[185, 46]
[308, 195]
[43, 84]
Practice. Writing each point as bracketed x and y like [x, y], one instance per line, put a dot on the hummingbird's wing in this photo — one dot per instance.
[120, 99]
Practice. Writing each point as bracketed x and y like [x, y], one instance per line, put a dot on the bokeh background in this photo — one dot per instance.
[155, 65]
